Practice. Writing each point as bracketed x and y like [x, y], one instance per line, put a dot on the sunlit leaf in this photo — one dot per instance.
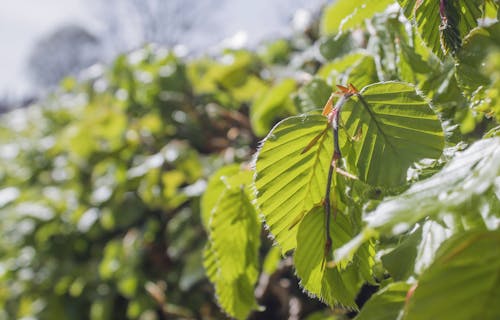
[330, 284]
[214, 190]
[344, 14]
[231, 257]
[398, 127]
[272, 260]
[443, 35]
[288, 183]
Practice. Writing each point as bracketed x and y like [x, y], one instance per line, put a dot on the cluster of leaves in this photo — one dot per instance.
[416, 202]
[122, 192]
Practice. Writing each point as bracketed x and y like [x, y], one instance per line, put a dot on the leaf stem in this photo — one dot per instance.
[327, 207]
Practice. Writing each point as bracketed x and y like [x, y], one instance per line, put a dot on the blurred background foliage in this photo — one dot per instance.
[101, 182]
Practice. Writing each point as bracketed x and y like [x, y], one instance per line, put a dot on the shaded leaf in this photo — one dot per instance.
[312, 96]
[270, 105]
[416, 252]
[471, 73]
[363, 72]
[335, 47]
[400, 262]
[465, 178]
[463, 281]
[478, 72]
[386, 304]
[334, 71]
[322, 315]
[388, 31]
[410, 64]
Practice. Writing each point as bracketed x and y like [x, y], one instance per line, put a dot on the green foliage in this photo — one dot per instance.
[107, 182]
[345, 14]
[271, 105]
[144, 192]
[477, 71]
[398, 127]
[469, 260]
[385, 304]
[312, 95]
[231, 255]
[288, 183]
[461, 186]
[444, 24]
[333, 285]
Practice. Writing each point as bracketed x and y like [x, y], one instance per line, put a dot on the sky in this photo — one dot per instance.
[22, 22]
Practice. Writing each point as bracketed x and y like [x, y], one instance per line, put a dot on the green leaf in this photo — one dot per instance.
[398, 128]
[333, 72]
[463, 281]
[408, 7]
[276, 52]
[312, 96]
[468, 176]
[335, 47]
[363, 72]
[288, 183]
[416, 252]
[331, 285]
[270, 105]
[210, 263]
[441, 37]
[214, 190]
[494, 132]
[471, 72]
[357, 247]
[411, 65]
[441, 86]
[232, 72]
[386, 304]
[272, 260]
[400, 262]
[345, 14]
[232, 254]
[388, 31]
[323, 315]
